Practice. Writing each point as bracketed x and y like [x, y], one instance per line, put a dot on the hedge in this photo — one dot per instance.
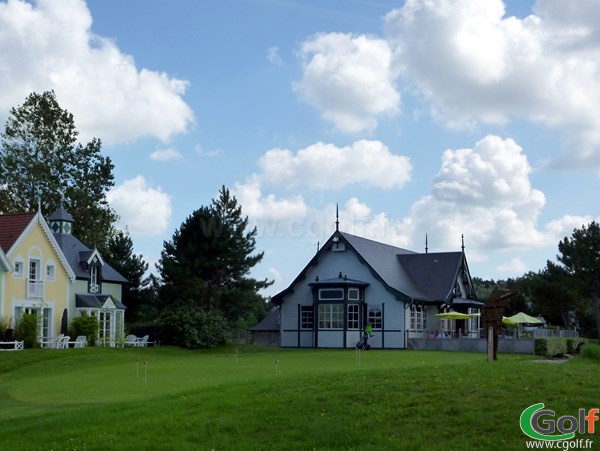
[557, 346]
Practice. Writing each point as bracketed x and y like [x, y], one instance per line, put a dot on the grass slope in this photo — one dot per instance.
[311, 399]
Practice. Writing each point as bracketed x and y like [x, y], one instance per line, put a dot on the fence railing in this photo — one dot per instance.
[565, 333]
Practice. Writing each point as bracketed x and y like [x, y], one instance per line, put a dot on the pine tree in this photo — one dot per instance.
[120, 256]
[580, 256]
[208, 261]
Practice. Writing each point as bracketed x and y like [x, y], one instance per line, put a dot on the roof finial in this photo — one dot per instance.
[462, 237]
[337, 218]
[426, 248]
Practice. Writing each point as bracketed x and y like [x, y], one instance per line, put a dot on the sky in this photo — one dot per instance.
[422, 118]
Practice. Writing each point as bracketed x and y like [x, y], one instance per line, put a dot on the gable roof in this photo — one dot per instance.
[432, 275]
[74, 249]
[408, 275]
[14, 227]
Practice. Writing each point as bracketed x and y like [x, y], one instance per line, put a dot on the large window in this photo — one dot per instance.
[418, 317]
[306, 317]
[353, 322]
[331, 316]
[375, 317]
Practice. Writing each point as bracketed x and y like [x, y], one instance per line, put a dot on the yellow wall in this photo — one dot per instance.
[56, 292]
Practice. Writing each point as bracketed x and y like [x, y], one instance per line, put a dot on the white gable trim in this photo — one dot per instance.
[109, 304]
[5, 262]
[39, 219]
[95, 253]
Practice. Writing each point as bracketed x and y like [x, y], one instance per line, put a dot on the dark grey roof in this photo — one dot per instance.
[432, 275]
[61, 215]
[269, 324]
[95, 301]
[409, 275]
[72, 249]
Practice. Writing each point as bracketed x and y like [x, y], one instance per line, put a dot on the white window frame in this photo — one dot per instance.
[352, 322]
[375, 316]
[18, 265]
[418, 317]
[353, 294]
[50, 271]
[331, 316]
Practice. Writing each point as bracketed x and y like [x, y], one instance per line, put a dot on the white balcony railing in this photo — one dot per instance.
[94, 288]
[35, 289]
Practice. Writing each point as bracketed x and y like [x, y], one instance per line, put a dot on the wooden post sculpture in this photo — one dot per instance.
[491, 318]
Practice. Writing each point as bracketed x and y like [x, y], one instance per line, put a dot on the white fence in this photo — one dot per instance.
[555, 333]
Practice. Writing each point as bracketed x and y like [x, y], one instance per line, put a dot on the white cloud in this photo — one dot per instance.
[267, 207]
[364, 162]
[515, 267]
[348, 79]
[273, 56]
[50, 45]
[142, 209]
[484, 193]
[207, 153]
[165, 155]
[476, 65]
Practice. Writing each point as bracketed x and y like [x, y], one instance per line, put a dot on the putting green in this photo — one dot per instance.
[106, 376]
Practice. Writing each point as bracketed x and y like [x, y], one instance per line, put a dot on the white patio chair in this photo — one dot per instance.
[51, 342]
[143, 342]
[80, 342]
[131, 340]
[63, 342]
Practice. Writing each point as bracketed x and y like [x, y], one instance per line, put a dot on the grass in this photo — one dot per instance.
[311, 399]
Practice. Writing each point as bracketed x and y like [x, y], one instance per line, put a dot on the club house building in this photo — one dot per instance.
[354, 281]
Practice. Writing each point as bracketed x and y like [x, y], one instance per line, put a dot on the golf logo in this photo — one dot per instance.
[541, 424]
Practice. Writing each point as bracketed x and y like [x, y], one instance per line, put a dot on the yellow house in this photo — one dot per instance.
[39, 278]
[48, 272]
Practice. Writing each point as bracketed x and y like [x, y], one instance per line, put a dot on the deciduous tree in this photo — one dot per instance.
[42, 161]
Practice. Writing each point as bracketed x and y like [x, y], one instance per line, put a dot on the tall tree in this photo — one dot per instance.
[580, 255]
[120, 256]
[41, 161]
[209, 259]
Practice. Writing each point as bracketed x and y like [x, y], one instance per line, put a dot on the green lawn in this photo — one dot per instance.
[310, 399]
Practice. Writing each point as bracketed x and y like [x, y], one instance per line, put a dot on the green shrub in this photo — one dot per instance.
[27, 331]
[4, 325]
[85, 325]
[591, 351]
[551, 346]
[191, 327]
[572, 344]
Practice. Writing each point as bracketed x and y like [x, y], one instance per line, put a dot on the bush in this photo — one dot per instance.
[27, 331]
[591, 351]
[191, 327]
[573, 343]
[551, 346]
[4, 326]
[85, 325]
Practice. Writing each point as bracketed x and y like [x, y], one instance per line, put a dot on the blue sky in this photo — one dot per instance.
[419, 117]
